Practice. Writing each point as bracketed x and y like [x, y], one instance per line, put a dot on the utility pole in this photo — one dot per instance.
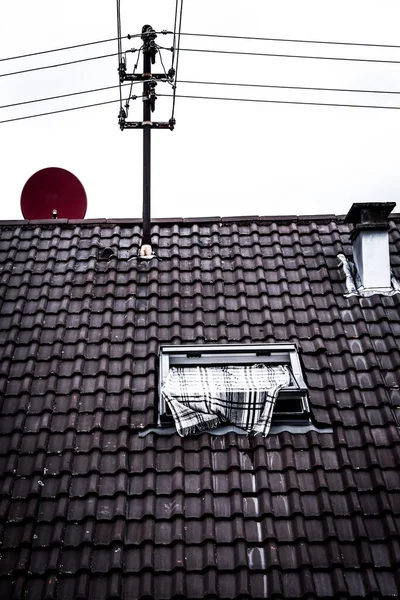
[149, 79]
[149, 98]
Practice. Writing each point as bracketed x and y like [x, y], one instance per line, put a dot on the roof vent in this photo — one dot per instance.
[106, 253]
[371, 270]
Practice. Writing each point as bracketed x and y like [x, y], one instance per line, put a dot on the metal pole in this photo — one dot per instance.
[148, 48]
[149, 79]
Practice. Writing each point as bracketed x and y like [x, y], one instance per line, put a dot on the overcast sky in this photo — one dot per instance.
[223, 158]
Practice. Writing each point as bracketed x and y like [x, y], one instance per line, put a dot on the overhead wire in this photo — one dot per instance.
[287, 40]
[167, 79]
[63, 110]
[208, 35]
[72, 62]
[132, 82]
[336, 104]
[177, 63]
[293, 102]
[58, 49]
[36, 100]
[174, 39]
[119, 50]
[220, 83]
[301, 56]
[204, 50]
[291, 87]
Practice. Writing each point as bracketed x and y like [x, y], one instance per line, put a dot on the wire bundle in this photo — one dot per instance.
[176, 49]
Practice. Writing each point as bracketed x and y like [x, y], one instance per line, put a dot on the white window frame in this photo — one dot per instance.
[239, 354]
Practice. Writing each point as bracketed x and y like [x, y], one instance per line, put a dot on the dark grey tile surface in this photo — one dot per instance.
[91, 510]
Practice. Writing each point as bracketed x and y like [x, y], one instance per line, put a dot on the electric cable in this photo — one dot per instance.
[336, 104]
[296, 41]
[329, 104]
[119, 50]
[114, 39]
[292, 87]
[210, 35]
[255, 85]
[308, 57]
[109, 87]
[72, 62]
[119, 28]
[177, 64]
[132, 82]
[59, 49]
[174, 39]
[63, 110]
[167, 79]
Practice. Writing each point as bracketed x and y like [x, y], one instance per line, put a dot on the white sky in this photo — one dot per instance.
[224, 158]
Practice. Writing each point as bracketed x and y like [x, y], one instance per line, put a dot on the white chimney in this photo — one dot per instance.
[370, 238]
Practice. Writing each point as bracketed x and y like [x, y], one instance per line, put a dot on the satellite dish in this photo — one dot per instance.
[53, 193]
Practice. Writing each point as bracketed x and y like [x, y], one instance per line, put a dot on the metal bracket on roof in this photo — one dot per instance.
[146, 252]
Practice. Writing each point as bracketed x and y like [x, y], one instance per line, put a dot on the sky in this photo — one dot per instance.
[224, 158]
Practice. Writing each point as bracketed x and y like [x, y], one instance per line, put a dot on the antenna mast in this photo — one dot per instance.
[149, 79]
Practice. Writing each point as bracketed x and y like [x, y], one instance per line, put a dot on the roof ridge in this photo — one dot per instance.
[182, 220]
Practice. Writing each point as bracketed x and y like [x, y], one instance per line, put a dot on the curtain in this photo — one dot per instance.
[202, 398]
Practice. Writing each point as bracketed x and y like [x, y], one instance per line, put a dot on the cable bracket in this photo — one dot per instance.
[145, 76]
[143, 124]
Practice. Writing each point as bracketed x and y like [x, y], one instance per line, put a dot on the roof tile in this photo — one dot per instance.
[92, 510]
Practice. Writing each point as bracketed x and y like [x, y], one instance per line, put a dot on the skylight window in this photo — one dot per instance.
[246, 386]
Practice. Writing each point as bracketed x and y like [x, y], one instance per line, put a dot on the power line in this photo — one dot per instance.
[255, 85]
[132, 82]
[72, 62]
[292, 87]
[367, 60]
[54, 112]
[330, 104]
[174, 39]
[109, 87]
[119, 49]
[209, 35]
[60, 49]
[167, 80]
[177, 63]
[285, 102]
[268, 39]
[128, 37]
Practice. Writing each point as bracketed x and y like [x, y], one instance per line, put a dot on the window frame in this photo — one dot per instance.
[239, 354]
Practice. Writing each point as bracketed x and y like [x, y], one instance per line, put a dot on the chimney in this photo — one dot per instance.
[370, 238]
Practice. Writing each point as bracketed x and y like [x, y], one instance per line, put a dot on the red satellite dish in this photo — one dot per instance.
[53, 189]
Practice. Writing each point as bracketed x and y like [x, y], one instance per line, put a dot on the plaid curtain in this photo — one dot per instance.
[202, 398]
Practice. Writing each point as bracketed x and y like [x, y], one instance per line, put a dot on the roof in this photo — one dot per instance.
[91, 509]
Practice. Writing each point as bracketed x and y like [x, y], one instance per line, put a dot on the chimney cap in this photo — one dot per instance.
[369, 213]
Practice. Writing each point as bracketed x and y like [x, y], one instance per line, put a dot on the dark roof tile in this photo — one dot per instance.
[94, 511]
[59, 462]
[43, 560]
[19, 510]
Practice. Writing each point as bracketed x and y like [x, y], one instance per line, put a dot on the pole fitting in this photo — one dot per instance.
[149, 46]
